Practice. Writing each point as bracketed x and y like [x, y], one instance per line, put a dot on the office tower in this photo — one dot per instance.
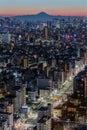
[10, 108]
[20, 99]
[6, 120]
[44, 111]
[80, 85]
[44, 118]
[46, 33]
[49, 24]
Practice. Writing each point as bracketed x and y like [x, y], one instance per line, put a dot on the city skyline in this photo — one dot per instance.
[53, 7]
[43, 68]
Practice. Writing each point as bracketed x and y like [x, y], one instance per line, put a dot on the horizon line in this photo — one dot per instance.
[13, 15]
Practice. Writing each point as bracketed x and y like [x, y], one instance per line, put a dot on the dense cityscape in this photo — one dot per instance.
[43, 74]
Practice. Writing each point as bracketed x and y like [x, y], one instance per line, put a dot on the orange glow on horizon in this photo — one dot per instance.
[51, 12]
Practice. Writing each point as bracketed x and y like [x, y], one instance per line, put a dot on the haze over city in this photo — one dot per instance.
[53, 7]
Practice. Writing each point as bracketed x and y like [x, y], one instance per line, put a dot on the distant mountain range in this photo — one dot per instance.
[42, 16]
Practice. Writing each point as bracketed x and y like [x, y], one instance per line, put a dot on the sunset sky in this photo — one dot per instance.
[55, 7]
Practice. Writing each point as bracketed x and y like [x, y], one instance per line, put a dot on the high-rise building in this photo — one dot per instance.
[44, 118]
[46, 33]
[10, 108]
[20, 99]
[80, 85]
[49, 24]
